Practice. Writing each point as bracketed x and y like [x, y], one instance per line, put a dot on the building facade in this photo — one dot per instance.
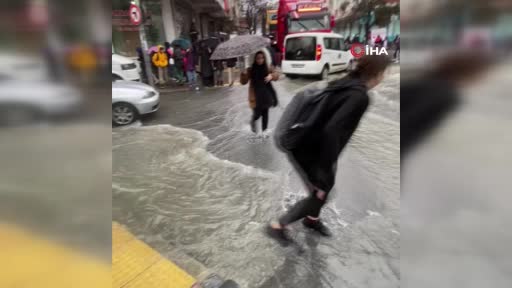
[166, 20]
[350, 24]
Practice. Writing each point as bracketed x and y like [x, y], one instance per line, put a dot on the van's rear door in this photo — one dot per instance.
[300, 48]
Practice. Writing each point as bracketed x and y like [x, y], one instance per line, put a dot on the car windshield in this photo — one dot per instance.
[308, 24]
[300, 48]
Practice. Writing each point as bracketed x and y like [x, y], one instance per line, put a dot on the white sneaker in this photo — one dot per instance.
[266, 134]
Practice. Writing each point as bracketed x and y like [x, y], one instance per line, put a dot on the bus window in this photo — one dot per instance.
[308, 24]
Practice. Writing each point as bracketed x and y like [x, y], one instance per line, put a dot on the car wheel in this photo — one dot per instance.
[324, 75]
[116, 78]
[292, 76]
[123, 114]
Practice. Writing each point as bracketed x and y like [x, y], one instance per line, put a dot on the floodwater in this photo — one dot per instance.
[196, 179]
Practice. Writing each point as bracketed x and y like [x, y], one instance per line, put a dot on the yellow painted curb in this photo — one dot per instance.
[136, 265]
[29, 260]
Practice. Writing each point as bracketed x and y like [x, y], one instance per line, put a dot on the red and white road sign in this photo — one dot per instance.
[135, 14]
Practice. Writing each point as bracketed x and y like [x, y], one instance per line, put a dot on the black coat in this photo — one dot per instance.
[317, 156]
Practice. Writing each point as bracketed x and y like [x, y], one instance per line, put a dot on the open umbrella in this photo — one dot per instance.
[181, 42]
[239, 46]
[153, 49]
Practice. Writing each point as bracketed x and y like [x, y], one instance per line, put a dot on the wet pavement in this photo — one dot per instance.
[195, 178]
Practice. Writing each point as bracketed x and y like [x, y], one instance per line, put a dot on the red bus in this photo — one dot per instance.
[296, 16]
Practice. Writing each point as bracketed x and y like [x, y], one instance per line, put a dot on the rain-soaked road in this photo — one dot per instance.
[206, 186]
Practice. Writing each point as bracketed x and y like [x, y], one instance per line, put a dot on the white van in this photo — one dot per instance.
[315, 54]
[124, 68]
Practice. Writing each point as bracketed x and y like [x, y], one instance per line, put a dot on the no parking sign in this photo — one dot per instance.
[135, 15]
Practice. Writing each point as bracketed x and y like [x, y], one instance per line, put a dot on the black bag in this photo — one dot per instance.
[299, 118]
[275, 100]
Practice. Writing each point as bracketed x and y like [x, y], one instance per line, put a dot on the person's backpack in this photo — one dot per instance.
[306, 113]
[299, 118]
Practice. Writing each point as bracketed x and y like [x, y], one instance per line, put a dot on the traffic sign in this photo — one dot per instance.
[135, 15]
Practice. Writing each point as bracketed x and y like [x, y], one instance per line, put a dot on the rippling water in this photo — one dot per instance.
[212, 197]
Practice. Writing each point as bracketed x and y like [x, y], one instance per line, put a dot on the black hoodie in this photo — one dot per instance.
[317, 155]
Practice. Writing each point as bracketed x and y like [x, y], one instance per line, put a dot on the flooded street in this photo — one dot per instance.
[195, 178]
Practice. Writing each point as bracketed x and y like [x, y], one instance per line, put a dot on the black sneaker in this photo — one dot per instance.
[318, 226]
[278, 234]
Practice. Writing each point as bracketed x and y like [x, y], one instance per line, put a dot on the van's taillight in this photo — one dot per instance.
[318, 52]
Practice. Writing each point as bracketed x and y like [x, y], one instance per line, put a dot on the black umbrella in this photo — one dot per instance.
[181, 42]
[240, 46]
[211, 43]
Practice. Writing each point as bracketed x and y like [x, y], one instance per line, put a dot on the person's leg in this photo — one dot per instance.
[191, 78]
[169, 71]
[264, 124]
[310, 206]
[219, 77]
[160, 75]
[179, 73]
[230, 76]
[256, 114]
[190, 84]
[165, 72]
[300, 210]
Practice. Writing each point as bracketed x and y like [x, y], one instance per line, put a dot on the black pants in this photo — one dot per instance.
[257, 113]
[310, 206]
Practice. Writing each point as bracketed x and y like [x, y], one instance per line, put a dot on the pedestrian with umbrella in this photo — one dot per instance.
[262, 95]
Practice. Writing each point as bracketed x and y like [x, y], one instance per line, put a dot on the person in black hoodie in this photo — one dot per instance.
[315, 157]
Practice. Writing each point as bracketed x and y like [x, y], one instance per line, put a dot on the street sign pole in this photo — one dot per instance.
[147, 63]
[144, 44]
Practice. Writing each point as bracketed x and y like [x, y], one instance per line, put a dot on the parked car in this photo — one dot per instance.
[131, 99]
[124, 68]
[22, 67]
[318, 54]
[27, 95]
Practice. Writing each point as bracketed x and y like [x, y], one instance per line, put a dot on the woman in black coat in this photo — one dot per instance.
[262, 95]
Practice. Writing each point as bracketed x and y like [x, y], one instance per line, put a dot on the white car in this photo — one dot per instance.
[131, 99]
[124, 68]
[318, 54]
[27, 95]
